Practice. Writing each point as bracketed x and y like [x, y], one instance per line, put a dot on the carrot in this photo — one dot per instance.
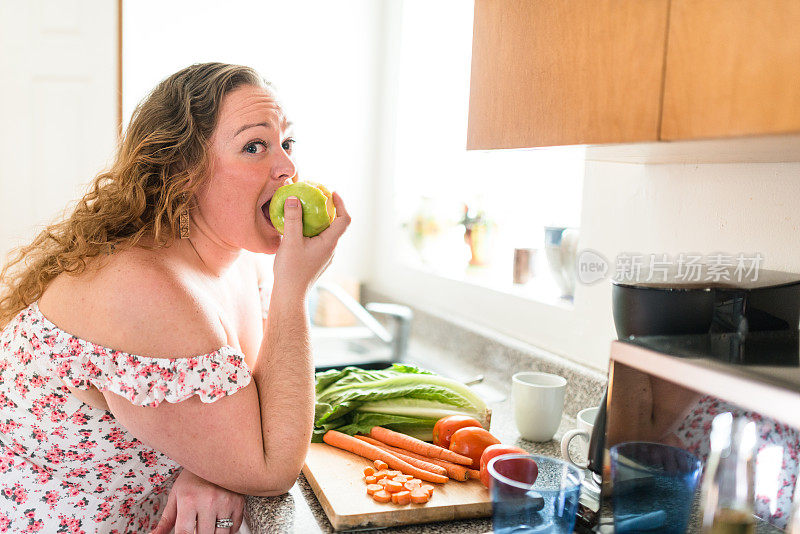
[393, 486]
[380, 475]
[474, 473]
[428, 488]
[390, 437]
[402, 497]
[417, 460]
[371, 452]
[382, 496]
[373, 488]
[411, 485]
[380, 465]
[454, 471]
[420, 496]
[370, 479]
[369, 471]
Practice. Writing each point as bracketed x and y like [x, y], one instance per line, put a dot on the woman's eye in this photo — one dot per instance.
[256, 147]
[288, 144]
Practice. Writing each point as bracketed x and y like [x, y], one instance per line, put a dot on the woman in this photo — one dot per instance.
[131, 328]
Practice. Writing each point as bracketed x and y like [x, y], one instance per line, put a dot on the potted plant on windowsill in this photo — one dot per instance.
[478, 230]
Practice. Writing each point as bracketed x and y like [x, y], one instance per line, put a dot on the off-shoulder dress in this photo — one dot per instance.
[66, 466]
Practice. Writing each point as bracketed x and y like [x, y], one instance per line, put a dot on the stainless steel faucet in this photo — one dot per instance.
[401, 314]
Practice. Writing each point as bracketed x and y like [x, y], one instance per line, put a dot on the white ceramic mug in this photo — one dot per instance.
[538, 404]
[585, 419]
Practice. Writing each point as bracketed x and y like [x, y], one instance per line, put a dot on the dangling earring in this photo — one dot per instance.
[183, 220]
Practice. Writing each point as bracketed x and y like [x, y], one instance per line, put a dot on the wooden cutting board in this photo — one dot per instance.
[337, 478]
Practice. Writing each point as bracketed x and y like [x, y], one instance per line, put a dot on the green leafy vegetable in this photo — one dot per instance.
[403, 397]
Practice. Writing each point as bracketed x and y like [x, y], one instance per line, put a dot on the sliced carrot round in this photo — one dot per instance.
[382, 496]
[402, 497]
[370, 479]
[411, 485]
[428, 488]
[419, 496]
[383, 481]
[394, 473]
[380, 465]
[381, 474]
[374, 488]
[368, 471]
[393, 487]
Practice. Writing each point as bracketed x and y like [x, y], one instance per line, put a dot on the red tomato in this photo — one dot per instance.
[471, 442]
[496, 450]
[444, 428]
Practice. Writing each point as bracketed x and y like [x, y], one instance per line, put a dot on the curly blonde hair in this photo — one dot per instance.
[160, 162]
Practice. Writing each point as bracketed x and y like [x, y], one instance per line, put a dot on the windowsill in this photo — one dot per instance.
[534, 314]
[541, 288]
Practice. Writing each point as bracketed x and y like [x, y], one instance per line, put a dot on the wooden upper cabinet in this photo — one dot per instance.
[732, 69]
[565, 72]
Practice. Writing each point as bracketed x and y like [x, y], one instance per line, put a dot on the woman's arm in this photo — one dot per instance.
[254, 441]
[647, 408]
[284, 378]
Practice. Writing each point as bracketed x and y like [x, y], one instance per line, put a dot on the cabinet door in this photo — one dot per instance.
[732, 68]
[562, 72]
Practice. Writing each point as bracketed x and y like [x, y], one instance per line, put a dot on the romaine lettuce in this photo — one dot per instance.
[403, 397]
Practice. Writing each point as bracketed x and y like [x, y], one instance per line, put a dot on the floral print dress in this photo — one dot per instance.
[66, 466]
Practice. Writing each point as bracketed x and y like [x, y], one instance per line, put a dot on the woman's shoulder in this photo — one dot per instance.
[136, 301]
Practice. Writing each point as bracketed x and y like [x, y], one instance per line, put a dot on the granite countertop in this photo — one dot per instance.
[300, 512]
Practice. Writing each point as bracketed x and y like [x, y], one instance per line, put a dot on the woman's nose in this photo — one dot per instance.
[285, 169]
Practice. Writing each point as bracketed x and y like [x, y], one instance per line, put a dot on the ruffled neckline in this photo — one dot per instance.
[143, 380]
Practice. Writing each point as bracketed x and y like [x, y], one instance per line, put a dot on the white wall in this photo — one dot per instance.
[635, 208]
[324, 58]
[58, 108]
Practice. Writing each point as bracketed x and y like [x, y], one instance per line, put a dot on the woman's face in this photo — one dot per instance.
[251, 156]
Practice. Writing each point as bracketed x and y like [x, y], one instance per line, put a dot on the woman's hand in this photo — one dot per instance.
[300, 260]
[195, 505]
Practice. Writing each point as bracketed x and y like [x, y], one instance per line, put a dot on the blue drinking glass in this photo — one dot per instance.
[533, 494]
[654, 486]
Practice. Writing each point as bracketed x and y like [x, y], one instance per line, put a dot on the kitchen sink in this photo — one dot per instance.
[335, 348]
[371, 346]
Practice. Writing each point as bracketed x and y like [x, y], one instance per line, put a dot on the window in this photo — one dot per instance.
[504, 197]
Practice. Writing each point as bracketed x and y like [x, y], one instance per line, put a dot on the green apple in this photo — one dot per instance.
[316, 201]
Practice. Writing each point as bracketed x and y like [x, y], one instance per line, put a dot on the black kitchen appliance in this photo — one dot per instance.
[670, 304]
